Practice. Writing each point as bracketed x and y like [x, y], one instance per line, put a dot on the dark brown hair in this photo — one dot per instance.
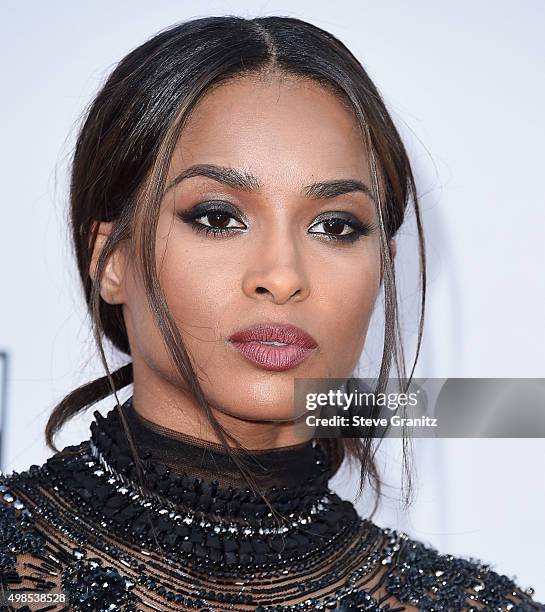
[120, 165]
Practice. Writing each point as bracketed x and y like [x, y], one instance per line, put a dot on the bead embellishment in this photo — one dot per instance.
[82, 525]
[160, 505]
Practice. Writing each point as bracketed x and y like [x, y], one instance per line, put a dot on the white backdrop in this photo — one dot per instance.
[464, 82]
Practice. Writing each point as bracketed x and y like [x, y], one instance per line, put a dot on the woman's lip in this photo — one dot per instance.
[297, 345]
[275, 332]
[276, 358]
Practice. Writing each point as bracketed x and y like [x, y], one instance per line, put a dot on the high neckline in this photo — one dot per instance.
[151, 429]
[193, 500]
[284, 467]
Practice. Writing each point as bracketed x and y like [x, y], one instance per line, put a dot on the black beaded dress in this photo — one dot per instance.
[81, 533]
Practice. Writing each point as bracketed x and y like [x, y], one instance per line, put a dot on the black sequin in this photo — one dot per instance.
[90, 586]
[193, 536]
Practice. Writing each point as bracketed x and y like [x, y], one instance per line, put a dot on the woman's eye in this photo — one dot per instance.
[219, 220]
[215, 222]
[339, 228]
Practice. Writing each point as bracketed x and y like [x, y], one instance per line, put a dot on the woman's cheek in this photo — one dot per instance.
[348, 323]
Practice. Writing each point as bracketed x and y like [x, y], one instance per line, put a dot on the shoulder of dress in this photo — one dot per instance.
[18, 531]
[40, 472]
[12, 483]
[19, 491]
[419, 573]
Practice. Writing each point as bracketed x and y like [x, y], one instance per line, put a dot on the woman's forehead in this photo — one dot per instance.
[275, 128]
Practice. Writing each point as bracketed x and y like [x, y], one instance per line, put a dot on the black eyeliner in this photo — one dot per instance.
[211, 206]
[202, 209]
[360, 229]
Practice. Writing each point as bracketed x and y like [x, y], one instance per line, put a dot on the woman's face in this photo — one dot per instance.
[285, 179]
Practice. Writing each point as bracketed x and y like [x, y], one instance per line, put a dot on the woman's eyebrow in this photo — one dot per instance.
[229, 176]
[245, 181]
[334, 188]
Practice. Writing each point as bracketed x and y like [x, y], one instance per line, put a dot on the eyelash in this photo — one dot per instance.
[359, 229]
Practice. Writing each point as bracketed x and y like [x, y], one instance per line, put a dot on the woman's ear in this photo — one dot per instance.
[111, 284]
[393, 247]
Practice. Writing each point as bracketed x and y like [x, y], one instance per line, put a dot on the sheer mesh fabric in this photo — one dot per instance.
[284, 466]
[31, 568]
[77, 528]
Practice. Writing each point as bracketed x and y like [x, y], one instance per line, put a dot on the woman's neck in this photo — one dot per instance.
[178, 411]
[287, 466]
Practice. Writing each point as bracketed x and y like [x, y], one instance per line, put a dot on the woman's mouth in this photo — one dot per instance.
[274, 346]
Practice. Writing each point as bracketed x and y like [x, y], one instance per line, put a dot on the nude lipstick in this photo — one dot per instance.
[274, 346]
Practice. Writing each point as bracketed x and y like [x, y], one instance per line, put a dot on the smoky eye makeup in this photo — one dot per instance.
[216, 218]
[341, 226]
[213, 217]
[203, 208]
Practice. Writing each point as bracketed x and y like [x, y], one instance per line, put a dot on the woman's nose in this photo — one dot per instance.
[276, 272]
